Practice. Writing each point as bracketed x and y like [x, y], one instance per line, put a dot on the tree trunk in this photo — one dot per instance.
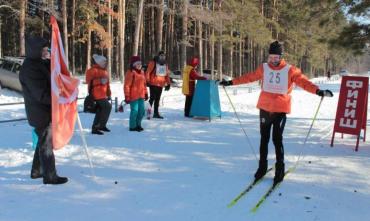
[178, 55]
[65, 29]
[51, 5]
[276, 17]
[193, 38]
[212, 43]
[170, 35]
[137, 28]
[121, 33]
[109, 50]
[116, 64]
[43, 21]
[1, 45]
[88, 56]
[184, 33]
[205, 49]
[200, 36]
[262, 3]
[220, 51]
[259, 47]
[160, 24]
[240, 56]
[219, 58]
[73, 36]
[22, 24]
[231, 67]
[200, 30]
[141, 40]
[80, 58]
[249, 54]
[152, 30]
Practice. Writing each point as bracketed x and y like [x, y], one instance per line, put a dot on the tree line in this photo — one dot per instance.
[230, 37]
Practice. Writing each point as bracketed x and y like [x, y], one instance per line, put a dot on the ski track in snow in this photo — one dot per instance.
[185, 169]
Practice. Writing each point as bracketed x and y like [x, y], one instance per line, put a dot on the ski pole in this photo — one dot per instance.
[308, 133]
[241, 125]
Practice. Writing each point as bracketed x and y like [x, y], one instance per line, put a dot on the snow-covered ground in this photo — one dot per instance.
[185, 169]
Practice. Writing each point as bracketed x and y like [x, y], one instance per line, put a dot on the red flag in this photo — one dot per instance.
[64, 91]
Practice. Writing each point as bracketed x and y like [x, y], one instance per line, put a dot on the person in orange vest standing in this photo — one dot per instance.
[98, 82]
[274, 103]
[157, 77]
[135, 93]
[189, 76]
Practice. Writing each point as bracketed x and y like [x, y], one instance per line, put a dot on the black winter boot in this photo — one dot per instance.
[279, 172]
[55, 180]
[156, 115]
[262, 169]
[135, 129]
[105, 129]
[35, 175]
[96, 131]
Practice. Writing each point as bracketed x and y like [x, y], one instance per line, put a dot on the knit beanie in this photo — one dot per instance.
[276, 48]
[99, 59]
[134, 60]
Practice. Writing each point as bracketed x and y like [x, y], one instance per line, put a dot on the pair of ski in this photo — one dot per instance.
[250, 187]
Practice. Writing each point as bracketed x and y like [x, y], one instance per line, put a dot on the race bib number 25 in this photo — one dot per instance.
[275, 81]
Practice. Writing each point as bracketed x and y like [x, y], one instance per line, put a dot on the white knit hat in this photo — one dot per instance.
[99, 59]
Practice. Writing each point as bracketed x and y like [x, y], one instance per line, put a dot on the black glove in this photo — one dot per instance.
[167, 88]
[226, 83]
[324, 93]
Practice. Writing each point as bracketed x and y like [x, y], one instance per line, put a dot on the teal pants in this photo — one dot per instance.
[137, 112]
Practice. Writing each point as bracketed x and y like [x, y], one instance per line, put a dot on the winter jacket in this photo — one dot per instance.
[135, 85]
[189, 76]
[36, 87]
[275, 102]
[153, 78]
[100, 82]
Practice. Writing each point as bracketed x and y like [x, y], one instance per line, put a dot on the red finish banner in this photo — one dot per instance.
[352, 107]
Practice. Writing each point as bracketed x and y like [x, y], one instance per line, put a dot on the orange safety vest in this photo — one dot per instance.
[154, 79]
[277, 102]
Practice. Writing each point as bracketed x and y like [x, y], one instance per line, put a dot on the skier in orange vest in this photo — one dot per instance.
[275, 102]
[157, 77]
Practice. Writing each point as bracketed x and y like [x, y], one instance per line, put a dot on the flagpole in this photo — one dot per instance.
[85, 146]
[57, 53]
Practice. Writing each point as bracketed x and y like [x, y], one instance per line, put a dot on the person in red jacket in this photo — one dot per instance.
[135, 93]
[98, 81]
[189, 76]
[274, 103]
[157, 77]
